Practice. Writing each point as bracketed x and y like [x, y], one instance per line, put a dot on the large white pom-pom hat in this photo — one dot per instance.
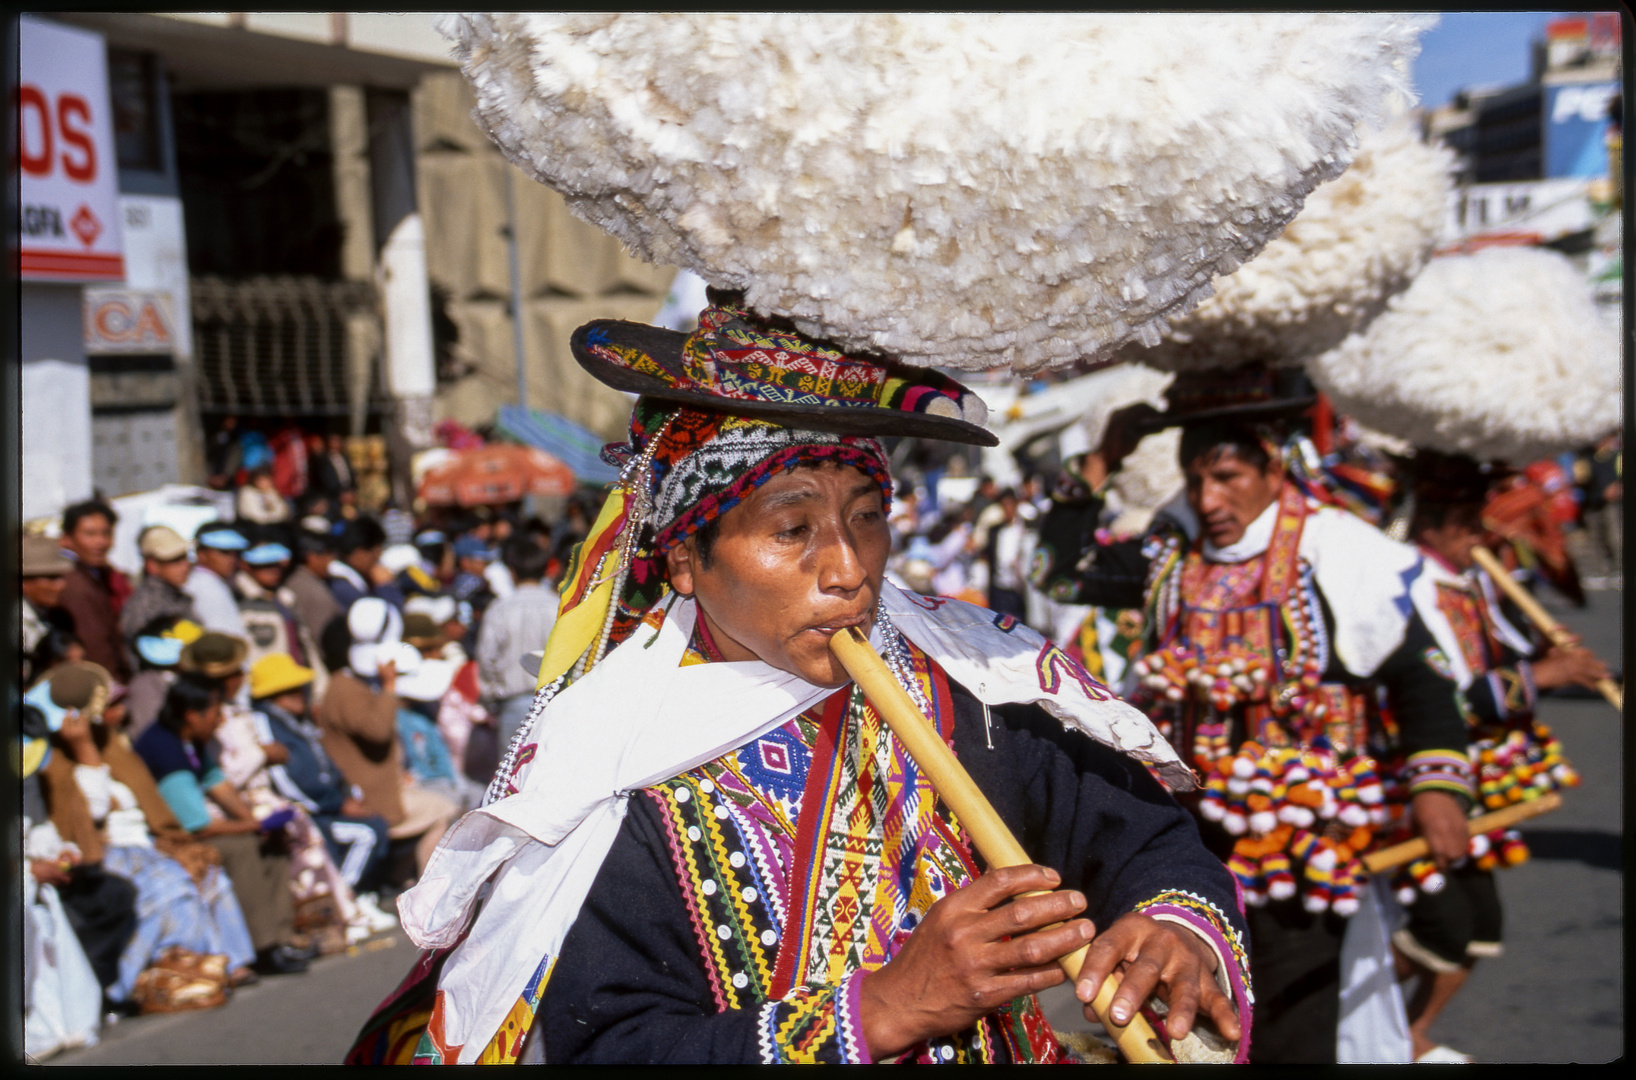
[1360, 240]
[1498, 355]
[966, 191]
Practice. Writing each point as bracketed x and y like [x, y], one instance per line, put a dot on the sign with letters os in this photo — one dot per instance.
[69, 177]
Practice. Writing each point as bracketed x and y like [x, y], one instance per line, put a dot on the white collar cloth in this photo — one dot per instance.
[639, 718]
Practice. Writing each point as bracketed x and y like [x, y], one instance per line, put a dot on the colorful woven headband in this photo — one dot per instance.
[682, 469]
[753, 367]
[706, 462]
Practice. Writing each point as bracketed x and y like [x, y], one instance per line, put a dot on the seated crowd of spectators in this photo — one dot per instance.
[236, 763]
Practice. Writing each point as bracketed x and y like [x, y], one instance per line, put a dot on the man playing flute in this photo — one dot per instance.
[791, 889]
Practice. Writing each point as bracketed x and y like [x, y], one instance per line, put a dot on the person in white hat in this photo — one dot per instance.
[359, 715]
[165, 570]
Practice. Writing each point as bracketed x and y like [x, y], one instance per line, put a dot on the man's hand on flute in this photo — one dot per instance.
[1441, 819]
[1153, 956]
[971, 954]
[981, 946]
[1571, 665]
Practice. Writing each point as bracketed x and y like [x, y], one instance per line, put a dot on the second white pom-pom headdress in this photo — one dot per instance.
[1500, 354]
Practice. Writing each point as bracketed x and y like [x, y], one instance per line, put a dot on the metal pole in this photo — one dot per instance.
[516, 290]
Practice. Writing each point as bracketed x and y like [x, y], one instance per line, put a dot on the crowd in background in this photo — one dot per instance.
[257, 743]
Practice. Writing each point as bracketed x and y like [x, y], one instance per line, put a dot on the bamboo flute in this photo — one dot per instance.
[1137, 1040]
[1389, 858]
[1541, 618]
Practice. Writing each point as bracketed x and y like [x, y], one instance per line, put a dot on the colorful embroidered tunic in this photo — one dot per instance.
[744, 901]
[1267, 665]
[1514, 757]
[1268, 617]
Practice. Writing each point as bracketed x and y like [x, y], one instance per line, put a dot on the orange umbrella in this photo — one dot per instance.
[497, 473]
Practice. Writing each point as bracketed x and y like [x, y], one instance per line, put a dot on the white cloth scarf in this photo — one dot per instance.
[639, 718]
[1366, 576]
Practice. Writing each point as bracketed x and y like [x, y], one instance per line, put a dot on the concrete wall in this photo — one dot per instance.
[571, 272]
[56, 395]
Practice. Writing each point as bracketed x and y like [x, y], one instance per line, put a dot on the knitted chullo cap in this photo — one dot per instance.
[214, 655]
[704, 462]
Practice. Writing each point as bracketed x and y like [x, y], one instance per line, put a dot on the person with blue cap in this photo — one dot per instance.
[470, 587]
[217, 546]
[158, 647]
[268, 607]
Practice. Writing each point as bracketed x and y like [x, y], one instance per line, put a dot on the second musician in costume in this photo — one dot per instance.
[1285, 659]
[1455, 917]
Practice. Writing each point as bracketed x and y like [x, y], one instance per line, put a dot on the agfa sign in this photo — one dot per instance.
[68, 227]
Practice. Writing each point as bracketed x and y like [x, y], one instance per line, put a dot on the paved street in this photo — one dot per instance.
[1555, 996]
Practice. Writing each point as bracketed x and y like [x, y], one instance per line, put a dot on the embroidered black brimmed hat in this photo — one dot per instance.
[740, 363]
[1248, 394]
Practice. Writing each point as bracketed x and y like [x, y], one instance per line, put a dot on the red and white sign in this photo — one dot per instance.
[68, 228]
[128, 321]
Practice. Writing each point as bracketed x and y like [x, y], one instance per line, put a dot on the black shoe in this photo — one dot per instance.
[280, 960]
[305, 948]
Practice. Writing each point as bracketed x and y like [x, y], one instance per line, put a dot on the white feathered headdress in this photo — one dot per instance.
[1497, 355]
[1359, 241]
[960, 190]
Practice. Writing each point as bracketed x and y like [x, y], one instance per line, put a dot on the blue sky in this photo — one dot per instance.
[1468, 49]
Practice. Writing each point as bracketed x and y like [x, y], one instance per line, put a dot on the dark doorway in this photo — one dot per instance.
[257, 182]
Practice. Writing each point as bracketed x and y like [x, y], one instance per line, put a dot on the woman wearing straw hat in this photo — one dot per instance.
[104, 798]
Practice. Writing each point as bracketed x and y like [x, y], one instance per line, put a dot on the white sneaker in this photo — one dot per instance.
[357, 932]
[1443, 1055]
[377, 919]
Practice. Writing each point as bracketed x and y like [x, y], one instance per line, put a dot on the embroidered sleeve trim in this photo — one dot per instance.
[1514, 690]
[1439, 770]
[1210, 924]
[849, 1021]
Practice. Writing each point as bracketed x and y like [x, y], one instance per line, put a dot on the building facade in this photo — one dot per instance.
[316, 239]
